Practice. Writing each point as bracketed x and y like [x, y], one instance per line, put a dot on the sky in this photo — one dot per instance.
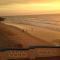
[29, 7]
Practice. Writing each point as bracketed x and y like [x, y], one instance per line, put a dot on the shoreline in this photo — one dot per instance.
[13, 36]
[40, 33]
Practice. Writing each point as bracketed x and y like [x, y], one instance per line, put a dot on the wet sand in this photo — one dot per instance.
[11, 36]
[45, 34]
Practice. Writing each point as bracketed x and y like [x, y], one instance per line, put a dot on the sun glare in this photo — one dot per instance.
[31, 8]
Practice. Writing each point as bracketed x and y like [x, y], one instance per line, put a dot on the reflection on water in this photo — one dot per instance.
[47, 21]
[42, 26]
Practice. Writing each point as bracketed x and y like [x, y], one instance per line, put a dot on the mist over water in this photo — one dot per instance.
[50, 21]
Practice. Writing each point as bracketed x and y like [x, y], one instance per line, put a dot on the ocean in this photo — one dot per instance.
[49, 22]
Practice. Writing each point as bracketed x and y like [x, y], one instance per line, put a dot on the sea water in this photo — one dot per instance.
[45, 21]
[50, 21]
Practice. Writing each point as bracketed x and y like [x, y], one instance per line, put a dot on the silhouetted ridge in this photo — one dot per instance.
[2, 19]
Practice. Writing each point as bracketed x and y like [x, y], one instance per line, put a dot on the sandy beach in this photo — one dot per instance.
[39, 32]
[11, 36]
[23, 36]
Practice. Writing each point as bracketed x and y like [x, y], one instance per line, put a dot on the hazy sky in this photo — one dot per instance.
[24, 7]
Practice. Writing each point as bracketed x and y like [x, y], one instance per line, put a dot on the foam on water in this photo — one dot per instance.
[47, 21]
